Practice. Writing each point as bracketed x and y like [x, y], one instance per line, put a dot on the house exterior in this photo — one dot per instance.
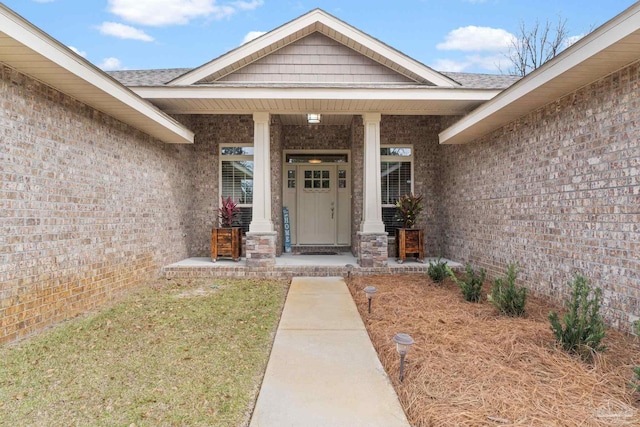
[108, 177]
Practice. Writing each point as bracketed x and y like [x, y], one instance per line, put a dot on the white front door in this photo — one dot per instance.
[317, 213]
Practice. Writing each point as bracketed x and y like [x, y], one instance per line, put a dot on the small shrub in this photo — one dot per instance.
[583, 326]
[472, 287]
[505, 296]
[437, 271]
[635, 385]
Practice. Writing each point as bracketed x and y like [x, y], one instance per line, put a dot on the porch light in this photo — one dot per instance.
[315, 161]
[403, 342]
[313, 119]
[369, 291]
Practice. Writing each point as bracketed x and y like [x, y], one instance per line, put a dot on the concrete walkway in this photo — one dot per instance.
[323, 370]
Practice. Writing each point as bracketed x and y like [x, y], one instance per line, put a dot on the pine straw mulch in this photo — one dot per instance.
[471, 367]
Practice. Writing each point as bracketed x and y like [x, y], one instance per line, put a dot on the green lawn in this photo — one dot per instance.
[175, 353]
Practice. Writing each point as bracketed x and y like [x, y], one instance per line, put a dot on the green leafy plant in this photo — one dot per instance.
[408, 209]
[635, 384]
[228, 213]
[505, 296]
[437, 270]
[472, 286]
[582, 328]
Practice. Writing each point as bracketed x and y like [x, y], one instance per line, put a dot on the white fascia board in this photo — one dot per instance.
[41, 43]
[304, 22]
[605, 36]
[430, 93]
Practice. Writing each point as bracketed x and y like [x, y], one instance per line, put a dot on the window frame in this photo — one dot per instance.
[233, 157]
[387, 158]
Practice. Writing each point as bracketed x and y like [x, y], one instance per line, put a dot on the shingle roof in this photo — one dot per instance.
[482, 81]
[163, 76]
[147, 77]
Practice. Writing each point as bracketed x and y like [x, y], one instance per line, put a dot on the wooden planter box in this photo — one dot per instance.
[226, 242]
[409, 241]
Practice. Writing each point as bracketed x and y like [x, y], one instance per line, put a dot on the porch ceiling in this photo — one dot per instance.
[300, 100]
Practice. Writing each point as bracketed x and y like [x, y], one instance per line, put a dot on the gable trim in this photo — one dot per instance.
[332, 27]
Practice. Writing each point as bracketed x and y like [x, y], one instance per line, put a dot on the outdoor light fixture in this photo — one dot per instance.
[313, 119]
[369, 291]
[315, 161]
[403, 342]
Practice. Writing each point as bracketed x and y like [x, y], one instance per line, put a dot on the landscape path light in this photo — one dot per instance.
[369, 291]
[403, 342]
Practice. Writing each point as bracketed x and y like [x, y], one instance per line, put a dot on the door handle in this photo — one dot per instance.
[332, 209]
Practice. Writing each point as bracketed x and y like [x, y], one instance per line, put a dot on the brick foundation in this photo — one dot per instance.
[372, 249]
[261, 249]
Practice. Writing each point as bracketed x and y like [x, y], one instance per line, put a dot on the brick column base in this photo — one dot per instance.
[261, 249]
[372, 249]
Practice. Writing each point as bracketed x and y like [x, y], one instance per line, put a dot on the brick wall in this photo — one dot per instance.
[557, 191]
[210, 131]
[422, 133]
[88, 206]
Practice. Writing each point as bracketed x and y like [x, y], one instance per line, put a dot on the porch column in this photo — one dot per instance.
[372, 203]
[372, 239]
[261, 238]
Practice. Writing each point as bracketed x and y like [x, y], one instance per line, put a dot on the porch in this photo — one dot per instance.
[292, 265]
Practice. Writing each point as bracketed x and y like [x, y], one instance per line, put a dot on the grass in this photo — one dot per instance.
[175, 353]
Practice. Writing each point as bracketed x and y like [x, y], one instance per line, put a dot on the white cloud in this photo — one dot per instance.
[79, 52]
[571, 40]
[483, 63]
[110, 64]
[160, 13]
[248, 5]
[472, 38]
[123, 31]
[450, 65]
[252, 35]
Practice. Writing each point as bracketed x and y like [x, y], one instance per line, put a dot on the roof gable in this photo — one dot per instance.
[315, 58]
[316, 21]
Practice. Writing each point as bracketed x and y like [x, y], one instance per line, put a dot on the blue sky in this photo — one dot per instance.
[448, 35]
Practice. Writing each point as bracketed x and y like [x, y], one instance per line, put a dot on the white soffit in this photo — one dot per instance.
[607, 49]
[30, 51]
[316, 20]
[287, 100]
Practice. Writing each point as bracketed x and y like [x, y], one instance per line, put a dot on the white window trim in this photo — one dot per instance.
[239, 157]
[399, 159]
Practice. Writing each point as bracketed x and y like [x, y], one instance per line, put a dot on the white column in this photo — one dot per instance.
[261, 218]
[372, 203]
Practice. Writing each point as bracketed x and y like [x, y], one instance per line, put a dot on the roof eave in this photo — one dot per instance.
[47, 60]
[570, 70]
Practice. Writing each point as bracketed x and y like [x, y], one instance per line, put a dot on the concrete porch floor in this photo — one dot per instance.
[290, 265]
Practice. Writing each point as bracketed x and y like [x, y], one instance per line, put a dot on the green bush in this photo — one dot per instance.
[583, 326]
[505, 296]
[472, 286]
[437, 271]
[635, 385]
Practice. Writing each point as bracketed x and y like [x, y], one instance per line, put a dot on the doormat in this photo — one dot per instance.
[318, 253]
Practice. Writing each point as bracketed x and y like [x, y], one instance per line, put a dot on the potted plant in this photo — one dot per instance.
[226, 240]
[409, 240]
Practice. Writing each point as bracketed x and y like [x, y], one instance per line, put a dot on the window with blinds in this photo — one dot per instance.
[236, 179]
[396, 176]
